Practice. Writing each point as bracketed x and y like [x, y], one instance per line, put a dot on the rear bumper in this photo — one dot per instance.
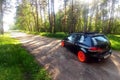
[101, 55]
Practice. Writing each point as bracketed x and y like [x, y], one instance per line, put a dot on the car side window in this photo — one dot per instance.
[81, 39]
[72, 37]
[85, 40]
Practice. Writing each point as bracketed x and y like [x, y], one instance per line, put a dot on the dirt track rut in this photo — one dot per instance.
[63, 64]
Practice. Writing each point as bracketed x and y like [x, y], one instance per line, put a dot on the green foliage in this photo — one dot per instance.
[115, 41]
[59, 21]
[16, 63]
[24, 18]
[59, 35]
[73, 16]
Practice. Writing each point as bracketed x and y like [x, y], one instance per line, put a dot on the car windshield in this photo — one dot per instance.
[98, 40]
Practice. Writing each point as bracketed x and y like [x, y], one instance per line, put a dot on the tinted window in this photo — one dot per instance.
[85, 40]
[78, 37]
[81, 39]
[99, 40]
[72, 37]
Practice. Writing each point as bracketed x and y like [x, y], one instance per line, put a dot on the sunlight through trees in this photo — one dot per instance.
[71, 16]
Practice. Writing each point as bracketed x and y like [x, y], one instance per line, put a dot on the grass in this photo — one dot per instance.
[16, 63]
[58, 35]
[115, 41]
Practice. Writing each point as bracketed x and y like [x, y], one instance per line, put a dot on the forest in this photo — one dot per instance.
[65, 15]
[68, 16]
[32, 57]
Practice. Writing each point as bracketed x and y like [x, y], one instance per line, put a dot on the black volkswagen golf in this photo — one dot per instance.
[88, 45]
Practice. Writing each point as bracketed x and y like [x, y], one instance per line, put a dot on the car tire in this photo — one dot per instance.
[81, 56]
[63, 43]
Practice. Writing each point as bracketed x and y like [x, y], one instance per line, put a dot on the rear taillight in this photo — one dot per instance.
[95, 49]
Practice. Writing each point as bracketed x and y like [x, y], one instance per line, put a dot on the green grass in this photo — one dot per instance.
[115, 41]
[58, 35]
[16, 63]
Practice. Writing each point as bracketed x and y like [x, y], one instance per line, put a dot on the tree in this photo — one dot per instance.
[1, 17]
[4, 6]
[72, 16]
[51, 12]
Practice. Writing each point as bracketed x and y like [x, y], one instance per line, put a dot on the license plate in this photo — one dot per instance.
[106, 56]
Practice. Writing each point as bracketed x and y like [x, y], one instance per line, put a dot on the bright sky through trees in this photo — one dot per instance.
[9, 16]
[59, 4]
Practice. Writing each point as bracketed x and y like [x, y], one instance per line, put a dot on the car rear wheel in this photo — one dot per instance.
[81, 56]
[62, 43]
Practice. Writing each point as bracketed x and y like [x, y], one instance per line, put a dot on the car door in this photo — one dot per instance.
[71, 40]
[79, 39]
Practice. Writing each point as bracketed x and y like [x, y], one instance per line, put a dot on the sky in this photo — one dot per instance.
[8, 18]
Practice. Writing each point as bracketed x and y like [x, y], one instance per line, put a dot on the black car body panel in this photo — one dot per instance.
[94, 45]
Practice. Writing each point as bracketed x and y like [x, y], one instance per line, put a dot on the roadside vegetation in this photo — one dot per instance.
[16, 63]
[58, 35]
[114, 39]
[72, 16]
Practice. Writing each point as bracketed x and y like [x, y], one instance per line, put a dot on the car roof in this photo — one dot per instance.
[92, 34]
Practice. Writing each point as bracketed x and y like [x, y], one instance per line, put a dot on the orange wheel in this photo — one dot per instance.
[62, 43]
[81, 56]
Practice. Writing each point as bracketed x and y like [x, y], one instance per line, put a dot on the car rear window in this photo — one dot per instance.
[98, 40]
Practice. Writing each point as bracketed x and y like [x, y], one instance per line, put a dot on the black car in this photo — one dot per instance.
[88, 45]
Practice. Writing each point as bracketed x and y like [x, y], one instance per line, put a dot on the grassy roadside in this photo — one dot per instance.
[57, 35]
[114, 39]
[16, 63]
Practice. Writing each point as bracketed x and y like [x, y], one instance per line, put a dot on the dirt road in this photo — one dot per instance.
[63, 64]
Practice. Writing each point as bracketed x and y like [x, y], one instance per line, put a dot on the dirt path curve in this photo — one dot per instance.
[63, 65]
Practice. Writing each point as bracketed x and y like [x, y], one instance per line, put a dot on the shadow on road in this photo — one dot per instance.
[63, 65]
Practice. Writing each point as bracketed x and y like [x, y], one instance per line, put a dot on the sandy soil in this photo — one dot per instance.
[63, 64]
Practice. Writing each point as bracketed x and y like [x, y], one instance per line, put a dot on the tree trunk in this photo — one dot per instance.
[54, 23]
[65, 15]
[96, 20]
[37, 23]
[50, 28]
[40, 8]
[85, 16]
[33, 14]
[71, 29]
[1, 17]
[111, 20]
